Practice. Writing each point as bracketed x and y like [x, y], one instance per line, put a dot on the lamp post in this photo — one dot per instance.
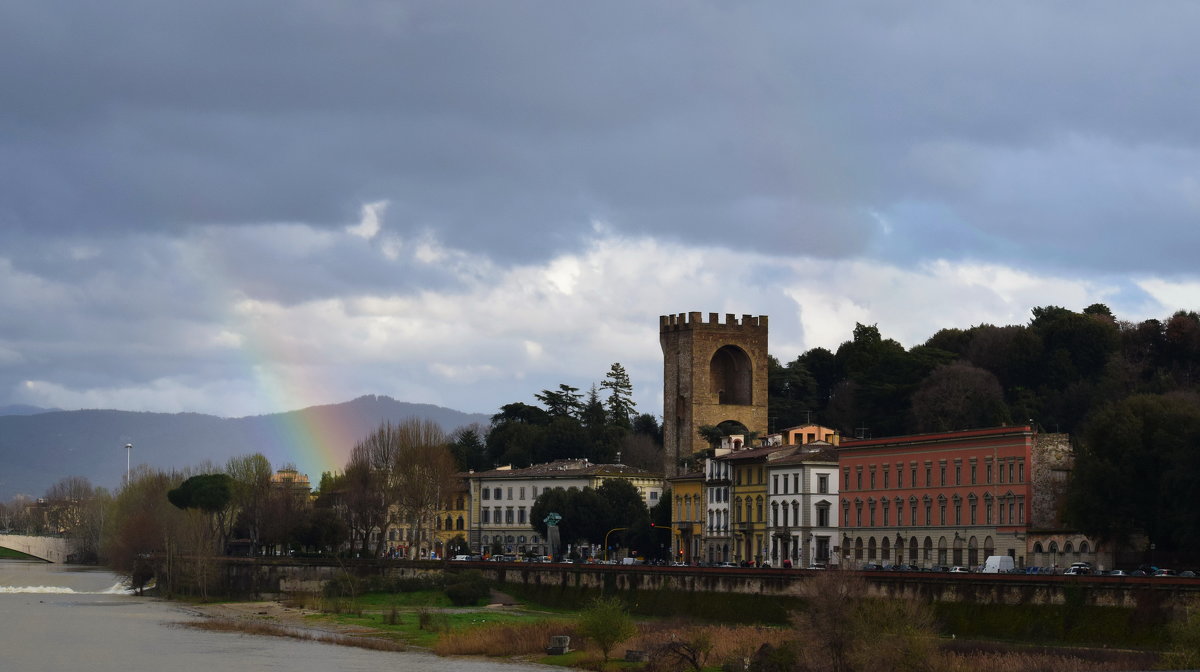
[606, 540]
[128, 451]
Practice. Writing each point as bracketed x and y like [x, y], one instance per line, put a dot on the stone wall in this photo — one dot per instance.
[689, 344]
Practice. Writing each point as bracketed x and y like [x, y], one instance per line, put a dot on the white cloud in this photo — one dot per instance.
[1172, 296]
[369, 220]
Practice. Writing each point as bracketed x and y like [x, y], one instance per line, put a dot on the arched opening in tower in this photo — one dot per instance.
[730, 376]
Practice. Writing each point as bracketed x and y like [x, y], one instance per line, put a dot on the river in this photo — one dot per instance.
[56, 618]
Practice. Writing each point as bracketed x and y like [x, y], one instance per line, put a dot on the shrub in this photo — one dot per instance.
[468, 589]
[606, 623]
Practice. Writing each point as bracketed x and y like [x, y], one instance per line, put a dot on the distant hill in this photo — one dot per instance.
[22, 409]
[39, 449]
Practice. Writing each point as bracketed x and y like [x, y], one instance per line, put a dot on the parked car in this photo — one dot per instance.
[1117, 572]
[1187, 574]
[872, 567]
[1075, 570]
[1165, 572]
[958, 569]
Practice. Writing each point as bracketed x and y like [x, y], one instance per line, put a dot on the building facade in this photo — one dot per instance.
[803, 505]
[950, 498]
[501, 500]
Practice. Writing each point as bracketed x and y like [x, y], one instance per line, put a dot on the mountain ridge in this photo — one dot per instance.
[40, 448]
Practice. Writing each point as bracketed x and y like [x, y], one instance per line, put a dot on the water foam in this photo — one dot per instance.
[116, 589]
[35, 589]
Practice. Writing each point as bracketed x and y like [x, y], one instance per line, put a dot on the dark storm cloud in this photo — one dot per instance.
[506, 128]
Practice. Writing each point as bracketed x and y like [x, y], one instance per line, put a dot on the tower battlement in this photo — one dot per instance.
[695, 320]
[714, 371]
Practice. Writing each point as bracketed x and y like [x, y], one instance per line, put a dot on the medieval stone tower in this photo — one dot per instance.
[712, 372]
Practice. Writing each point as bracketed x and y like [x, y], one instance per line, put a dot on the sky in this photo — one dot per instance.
[243, 208]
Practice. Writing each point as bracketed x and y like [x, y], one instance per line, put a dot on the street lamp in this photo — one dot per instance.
[606, 540]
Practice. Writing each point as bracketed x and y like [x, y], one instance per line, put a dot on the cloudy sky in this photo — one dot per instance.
[238, 208]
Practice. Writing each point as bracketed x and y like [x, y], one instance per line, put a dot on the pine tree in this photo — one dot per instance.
[620, 399]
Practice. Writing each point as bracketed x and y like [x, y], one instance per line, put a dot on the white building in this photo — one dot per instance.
[802, 500]
[501, 499]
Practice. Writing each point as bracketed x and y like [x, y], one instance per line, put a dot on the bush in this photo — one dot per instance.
[606, 623]
[468, 589]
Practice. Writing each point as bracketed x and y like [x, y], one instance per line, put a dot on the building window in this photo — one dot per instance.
[1021, 471]
[973, 473]
[1021, 513]
[775, 514]
[508, 516]
[487, 518]
[823, 484]
[913, 476]
[486, 492]
[497, 493]
[987, 512]
[886, 478]
[912, 514]
[928, 513]
[872, 505]
[899, 475]
[822, 516]
[885, 514]
[928, 475]
[775, 484]
[796, 482]
[858, 473]
[510, 492]
[872, 478]
[987, 468]
[973, 508]
[758, 505]
[1010, 471]
[957, 472]
[846, 473]
[957, 512]
[521, 516]
[942, 512]
[942, 473]
[522, 493]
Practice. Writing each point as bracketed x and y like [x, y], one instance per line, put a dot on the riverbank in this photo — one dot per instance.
[725, 642]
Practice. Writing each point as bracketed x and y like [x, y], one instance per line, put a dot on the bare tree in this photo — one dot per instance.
[407, 471]
[251, 476]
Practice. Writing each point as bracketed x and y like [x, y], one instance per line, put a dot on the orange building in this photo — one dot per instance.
[950, 498]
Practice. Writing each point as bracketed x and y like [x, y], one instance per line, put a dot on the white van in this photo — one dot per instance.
[998, 564]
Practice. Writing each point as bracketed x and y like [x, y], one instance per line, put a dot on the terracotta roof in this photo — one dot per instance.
[824, 454]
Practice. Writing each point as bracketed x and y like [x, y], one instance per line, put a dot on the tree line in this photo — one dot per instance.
[1127, 392]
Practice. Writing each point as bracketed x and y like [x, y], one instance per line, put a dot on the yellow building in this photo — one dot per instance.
[748, 503]
[687, 516]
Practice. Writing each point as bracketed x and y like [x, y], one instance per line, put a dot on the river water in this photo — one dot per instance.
[56, 618]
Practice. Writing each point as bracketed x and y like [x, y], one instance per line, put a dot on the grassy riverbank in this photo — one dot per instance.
[425, 619]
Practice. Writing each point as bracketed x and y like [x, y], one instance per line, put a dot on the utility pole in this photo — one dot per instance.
[128, 451]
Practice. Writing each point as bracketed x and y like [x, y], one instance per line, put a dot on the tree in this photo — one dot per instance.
[620, 396]
[958, 396]
[469, 449]
[250, 482]
[562, 402]
[210, 494]
[1137, 472]
[607, 623]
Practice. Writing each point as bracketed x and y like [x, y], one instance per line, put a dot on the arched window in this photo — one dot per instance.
[458, 524]
[731, 376]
